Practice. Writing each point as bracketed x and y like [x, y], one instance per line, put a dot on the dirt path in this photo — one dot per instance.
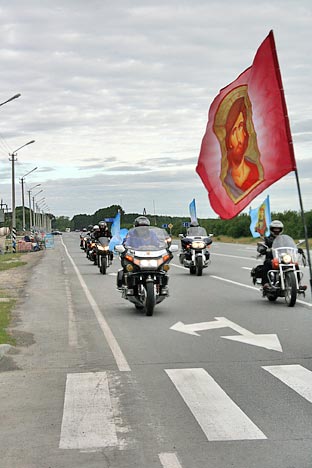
[13, 282]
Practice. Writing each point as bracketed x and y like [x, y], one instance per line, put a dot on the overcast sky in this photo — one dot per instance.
[116, 96]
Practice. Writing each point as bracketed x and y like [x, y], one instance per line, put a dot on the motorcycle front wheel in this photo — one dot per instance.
[290, 289]
[150, 299]
[103, 265]
[199, 266]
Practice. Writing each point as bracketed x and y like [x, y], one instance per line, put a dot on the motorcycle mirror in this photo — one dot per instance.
[173, 248]
[181, 236]
[210, 235]
[119, 248]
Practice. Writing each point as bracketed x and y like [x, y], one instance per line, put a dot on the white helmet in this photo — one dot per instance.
[276, 227]
[96, 227]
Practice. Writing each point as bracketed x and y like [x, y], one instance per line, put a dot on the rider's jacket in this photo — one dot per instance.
[102, 233]
[268, 241]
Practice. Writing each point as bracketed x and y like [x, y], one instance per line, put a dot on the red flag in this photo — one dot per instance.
[247, 145]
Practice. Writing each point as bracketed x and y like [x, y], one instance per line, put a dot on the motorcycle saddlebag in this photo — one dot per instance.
[256, 272]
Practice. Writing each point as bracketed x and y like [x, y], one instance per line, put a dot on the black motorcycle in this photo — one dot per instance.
[104, 256]
[195, 253]
[284, 277]
[144, 279]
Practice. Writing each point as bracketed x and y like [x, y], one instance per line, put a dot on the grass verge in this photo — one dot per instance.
[7, 262]
[5, 317]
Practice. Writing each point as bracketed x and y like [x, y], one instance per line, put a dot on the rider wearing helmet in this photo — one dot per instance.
[103, 231]
[95, 231]
[141, 221]
[141, 234]
[276, 228]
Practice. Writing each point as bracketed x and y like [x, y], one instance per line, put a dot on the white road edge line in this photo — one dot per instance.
[72, 327]
[169, 460]
[251, 287]
[120, 359]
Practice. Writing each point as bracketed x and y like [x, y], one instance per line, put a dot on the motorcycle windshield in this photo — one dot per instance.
[284, 244]
[146, 238]
[103, 240]
[196, 231]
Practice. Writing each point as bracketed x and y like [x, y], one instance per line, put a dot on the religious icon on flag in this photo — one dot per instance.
[260, 219]
[247, 145]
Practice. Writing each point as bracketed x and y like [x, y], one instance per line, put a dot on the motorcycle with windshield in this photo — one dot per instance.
[195, 253]
[284, 277]
[145, 256]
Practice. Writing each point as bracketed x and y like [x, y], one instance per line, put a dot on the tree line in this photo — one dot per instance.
[236, 227]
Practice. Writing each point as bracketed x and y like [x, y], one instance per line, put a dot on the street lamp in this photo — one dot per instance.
[11, 99]
[39, 214]
[23, 199]
[13, 156]
[34, 208]
[31, 220]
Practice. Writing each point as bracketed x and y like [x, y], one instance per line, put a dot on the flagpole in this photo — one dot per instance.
[305, 228]
[291, 147]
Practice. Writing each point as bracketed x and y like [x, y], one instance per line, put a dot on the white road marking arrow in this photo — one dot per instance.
[268, 341]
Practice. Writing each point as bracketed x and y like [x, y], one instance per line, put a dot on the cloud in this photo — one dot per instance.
[120, 92]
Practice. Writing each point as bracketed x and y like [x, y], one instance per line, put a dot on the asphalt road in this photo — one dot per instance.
[218, 377]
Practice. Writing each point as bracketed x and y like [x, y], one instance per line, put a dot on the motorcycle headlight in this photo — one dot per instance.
[148, 263]
[102, 248]
[198, 245]
[286, 258]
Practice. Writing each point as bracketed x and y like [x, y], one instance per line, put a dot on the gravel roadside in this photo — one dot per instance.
[13, 284]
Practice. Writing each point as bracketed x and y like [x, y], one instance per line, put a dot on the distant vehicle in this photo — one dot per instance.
[67, 229]
[56, 233]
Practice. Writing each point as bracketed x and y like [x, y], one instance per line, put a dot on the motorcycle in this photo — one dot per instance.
[284, 278]
[144, 280]
[84, 242]
[104, 256]
[195, 253]
[91, 250]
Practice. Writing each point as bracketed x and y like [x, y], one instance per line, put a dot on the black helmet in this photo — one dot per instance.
[276, 227]
[141, 221]
[90, 227]
[102, 224]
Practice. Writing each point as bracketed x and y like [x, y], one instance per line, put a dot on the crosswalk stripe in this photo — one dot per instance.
[88, 420]
[169, 460]
[218, 416]
[295, 376]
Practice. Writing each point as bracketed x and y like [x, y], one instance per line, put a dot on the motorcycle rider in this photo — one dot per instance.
[276, 228]
[103, 231]
[94, 232]
[141, 235]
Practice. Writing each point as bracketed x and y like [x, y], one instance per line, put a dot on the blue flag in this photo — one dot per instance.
[260, 219]
[117, 233]
[192, 208]
[115, 228]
